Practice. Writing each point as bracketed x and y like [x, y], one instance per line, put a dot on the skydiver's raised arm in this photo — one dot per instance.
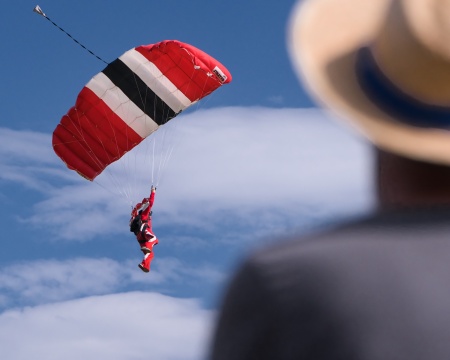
[149, 202]
[152, 196]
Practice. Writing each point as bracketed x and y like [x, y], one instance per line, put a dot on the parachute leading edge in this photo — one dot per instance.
[126, 102]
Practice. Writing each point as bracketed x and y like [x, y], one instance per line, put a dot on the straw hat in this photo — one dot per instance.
[383, 65]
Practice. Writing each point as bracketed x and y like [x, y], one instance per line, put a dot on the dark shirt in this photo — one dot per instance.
[376, 289]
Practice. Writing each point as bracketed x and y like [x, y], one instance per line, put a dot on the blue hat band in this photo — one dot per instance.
[383, 93]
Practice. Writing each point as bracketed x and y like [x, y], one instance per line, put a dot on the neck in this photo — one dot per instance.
[406, 183]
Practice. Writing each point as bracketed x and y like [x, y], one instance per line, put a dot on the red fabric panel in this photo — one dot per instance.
[68, 148]
[176, 61]
[91, 136]
[108, 127]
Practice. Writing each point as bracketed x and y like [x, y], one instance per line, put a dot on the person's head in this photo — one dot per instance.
[136, 209]
[384, 66]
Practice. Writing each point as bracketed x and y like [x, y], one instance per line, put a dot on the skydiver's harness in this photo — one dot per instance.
[137, 225]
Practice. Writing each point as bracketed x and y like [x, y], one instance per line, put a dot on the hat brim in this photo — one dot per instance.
[324, 37]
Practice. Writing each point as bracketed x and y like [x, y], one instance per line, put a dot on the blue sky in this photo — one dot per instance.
[253, 163]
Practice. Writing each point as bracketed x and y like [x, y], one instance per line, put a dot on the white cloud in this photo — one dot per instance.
[47, 281]
[26, 157]
[43, 281]
[28, 147]
[80, 212]
[247, 163]
[128, 326]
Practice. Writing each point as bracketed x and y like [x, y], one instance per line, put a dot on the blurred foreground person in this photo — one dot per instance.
[379, 288]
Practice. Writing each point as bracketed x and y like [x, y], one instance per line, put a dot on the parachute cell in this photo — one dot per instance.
[126, 102]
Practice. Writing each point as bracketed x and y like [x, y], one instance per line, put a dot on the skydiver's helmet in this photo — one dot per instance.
[136, 209]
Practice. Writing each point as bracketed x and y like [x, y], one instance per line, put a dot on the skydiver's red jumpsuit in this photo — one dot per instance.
[144, 235]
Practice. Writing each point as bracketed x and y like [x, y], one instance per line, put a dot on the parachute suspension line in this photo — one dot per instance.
[127, 199]
[131, 163]
[81, 133]
[39, 11]
[164, 163]
[153, 162]
[134, 160]
[166, 156]
[92, 155]
[127, 162]
[161, 161]
[115, 180]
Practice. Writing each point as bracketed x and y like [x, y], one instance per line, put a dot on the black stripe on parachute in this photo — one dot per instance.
[138, 92]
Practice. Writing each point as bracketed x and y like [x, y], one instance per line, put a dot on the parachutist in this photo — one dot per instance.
[141, 226]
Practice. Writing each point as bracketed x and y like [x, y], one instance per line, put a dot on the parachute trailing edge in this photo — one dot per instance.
[126, 102]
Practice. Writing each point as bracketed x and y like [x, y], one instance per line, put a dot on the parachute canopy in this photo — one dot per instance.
[126, 102]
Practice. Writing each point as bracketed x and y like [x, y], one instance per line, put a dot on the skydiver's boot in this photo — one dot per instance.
[145, 264]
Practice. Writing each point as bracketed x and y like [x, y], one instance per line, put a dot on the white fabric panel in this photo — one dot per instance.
[118, 102]
[155, 80]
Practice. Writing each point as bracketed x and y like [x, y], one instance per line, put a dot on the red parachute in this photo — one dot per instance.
[126, 102]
